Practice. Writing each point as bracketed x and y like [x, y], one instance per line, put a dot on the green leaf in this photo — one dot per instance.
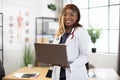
[28, 56]
[52, 6]
[94, 34]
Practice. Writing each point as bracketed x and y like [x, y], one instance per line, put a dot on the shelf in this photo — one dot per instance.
[45, 29]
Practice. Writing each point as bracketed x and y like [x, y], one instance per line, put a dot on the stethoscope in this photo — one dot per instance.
[72, 33]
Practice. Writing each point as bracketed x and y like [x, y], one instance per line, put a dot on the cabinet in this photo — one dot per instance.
[45, 29]
[1, 37]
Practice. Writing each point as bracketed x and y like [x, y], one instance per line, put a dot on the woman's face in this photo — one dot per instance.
[70, 17]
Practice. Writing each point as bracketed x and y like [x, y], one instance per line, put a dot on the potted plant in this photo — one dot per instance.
[28, 56]
[94, 35]
[51, 6]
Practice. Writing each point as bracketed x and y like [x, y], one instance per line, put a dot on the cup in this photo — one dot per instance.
[30, 66]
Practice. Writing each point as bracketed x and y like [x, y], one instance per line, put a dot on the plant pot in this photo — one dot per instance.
[94, 50]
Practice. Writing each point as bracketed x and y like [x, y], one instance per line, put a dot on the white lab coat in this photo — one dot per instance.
[77, 53]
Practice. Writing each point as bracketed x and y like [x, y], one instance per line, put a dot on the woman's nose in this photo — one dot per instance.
[67, 16]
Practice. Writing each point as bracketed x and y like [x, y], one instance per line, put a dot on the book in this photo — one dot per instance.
[26, 75]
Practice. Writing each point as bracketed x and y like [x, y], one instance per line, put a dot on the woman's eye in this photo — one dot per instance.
[72, 14]
[65, 14]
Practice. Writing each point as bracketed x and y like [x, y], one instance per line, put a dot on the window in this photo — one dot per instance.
[102, 14]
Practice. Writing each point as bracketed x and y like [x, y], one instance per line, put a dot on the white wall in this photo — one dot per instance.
[66, 2]
[43, 11]
[104, 60]
[14, 36]
[0, 5]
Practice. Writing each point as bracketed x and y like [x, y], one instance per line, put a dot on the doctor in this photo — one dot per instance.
[76, 38]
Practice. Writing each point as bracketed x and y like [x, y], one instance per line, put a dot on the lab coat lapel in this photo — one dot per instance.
[70, 37]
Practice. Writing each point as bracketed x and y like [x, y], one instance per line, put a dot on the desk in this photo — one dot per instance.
[104, 74]
[100, 74]
[42, 70]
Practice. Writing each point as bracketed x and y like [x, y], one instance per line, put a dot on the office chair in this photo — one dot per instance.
[2, 71]
[87, 65]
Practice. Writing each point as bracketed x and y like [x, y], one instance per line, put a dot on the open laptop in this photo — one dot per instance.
[54, 54]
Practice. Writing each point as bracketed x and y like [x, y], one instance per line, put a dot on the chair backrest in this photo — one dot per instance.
[87, 65]
[2, 71]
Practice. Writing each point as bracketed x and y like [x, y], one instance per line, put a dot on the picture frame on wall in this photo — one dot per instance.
[1, 17]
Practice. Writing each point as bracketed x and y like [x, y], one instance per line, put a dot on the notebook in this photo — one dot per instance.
[26, 75]
[54, 54]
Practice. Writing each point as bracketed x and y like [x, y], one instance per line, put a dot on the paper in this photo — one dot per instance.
[26, 75]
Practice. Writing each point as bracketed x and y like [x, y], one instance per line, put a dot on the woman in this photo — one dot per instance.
[72, 34]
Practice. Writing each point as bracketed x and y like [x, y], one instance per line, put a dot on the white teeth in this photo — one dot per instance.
[68, 21]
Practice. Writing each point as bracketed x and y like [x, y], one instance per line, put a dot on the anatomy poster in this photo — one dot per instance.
[18, 24]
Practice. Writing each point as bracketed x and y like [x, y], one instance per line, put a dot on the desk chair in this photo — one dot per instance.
[87, 65]
[2, 71]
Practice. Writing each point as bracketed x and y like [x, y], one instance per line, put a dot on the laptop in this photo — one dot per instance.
[54, 54]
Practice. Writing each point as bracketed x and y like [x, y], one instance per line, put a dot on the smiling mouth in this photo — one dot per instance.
[68, 21]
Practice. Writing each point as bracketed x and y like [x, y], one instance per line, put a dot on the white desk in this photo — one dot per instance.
[103, 74]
